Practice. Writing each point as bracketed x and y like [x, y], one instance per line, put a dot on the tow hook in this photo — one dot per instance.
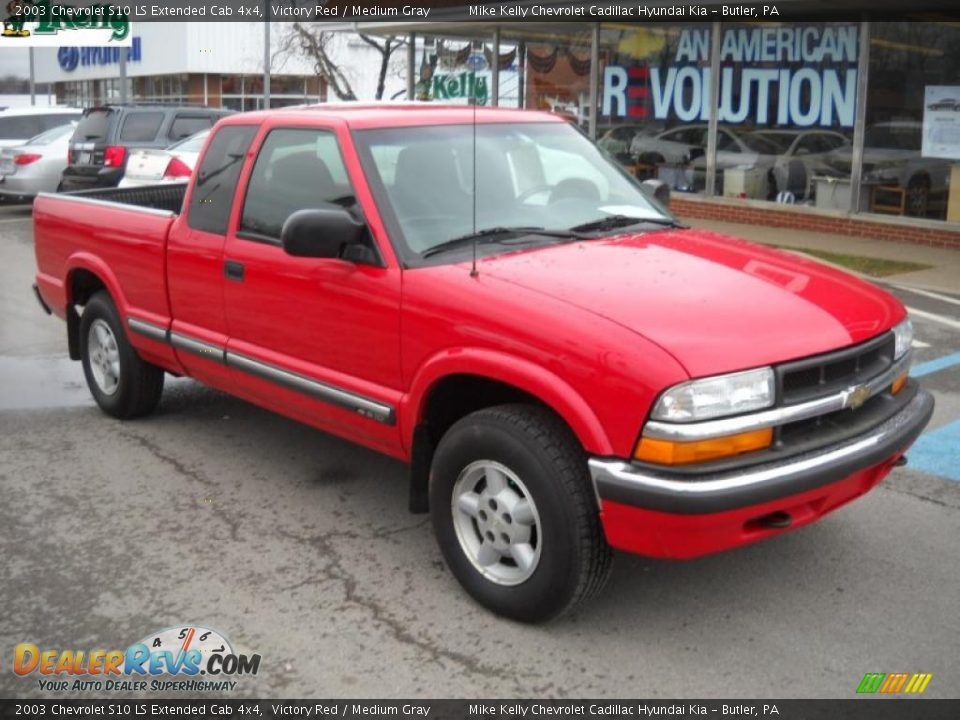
[900, 461]
[777, 520]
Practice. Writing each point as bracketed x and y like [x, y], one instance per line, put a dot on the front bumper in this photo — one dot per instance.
[665, 514]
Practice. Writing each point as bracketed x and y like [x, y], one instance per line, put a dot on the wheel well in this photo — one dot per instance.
[81, 285]
[450, 399]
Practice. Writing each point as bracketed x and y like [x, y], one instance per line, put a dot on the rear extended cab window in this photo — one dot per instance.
[217, 177]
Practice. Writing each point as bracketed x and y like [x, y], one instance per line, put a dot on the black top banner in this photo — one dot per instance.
[857, 709]
[512, 11]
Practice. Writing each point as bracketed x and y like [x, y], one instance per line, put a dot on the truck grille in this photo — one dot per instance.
[827, 374]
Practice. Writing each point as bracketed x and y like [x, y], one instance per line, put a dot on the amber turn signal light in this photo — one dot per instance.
[667, 452]
[898, 384]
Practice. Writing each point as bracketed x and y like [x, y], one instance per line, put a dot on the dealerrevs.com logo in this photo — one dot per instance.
[180, 659]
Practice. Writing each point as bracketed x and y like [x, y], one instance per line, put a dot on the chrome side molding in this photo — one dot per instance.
[325, 392]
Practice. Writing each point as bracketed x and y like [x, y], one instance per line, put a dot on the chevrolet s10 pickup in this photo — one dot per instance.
[485, 295]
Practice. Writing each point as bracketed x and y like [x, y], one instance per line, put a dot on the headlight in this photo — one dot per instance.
[717, 396]
[903, 334]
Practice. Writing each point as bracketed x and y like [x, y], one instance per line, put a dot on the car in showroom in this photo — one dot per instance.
[34, 167]
[892, 160]
[799, 156]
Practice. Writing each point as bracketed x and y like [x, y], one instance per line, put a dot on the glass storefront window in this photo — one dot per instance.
[459, 71]
[652, 111]
[787, 111]
[912, 134]
[557, 76]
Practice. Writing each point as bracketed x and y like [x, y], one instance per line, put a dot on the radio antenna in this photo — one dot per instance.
[473, 102]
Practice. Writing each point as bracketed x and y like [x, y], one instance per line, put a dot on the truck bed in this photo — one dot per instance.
[119, 235]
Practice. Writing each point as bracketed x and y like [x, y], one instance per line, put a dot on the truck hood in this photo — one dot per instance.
[715, 303]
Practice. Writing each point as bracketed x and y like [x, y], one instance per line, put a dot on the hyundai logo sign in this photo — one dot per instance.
[69, 57]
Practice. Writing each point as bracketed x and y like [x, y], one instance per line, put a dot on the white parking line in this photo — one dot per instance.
[919, 344]
[929, 294]
[15, 220]
[949, 322]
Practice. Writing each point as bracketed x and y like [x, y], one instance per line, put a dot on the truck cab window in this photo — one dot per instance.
[217, 177]
[295, 169]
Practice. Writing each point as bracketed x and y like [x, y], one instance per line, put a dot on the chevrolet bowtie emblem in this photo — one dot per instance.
[857, 396]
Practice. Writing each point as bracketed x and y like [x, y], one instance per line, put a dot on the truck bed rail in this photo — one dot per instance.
[166, 196]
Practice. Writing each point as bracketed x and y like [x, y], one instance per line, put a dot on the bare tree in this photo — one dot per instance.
[311, 40]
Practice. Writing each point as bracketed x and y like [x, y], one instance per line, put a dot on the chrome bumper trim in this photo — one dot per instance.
[688, 432]
[621, 481]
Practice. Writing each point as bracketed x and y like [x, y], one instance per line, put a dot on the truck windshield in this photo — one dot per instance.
[447, 182]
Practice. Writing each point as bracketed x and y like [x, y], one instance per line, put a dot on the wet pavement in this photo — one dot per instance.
[298, 546]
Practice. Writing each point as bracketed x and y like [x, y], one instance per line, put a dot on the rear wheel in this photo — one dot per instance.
[514, 513]
[124, 385]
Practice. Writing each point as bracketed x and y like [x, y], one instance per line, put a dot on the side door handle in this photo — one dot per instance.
[233, 270]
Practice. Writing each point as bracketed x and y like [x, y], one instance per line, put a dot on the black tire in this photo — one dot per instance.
[140, 384]
[538, 448]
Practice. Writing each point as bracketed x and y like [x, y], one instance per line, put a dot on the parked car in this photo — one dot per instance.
[175, 164]
[34, 167]
[484, 294]
[892, 157]
[105, 135]
[17, 125]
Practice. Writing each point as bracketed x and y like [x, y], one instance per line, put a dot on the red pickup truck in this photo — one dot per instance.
[484, 294]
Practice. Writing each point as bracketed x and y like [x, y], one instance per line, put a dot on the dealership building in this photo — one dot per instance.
[840, 127]
[201, 63]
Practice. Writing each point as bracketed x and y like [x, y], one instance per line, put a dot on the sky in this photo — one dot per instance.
[15, 62]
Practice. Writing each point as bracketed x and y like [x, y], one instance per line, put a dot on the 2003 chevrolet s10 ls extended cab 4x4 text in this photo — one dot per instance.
[484, 294]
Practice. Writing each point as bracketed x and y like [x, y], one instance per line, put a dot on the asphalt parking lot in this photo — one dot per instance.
[298, 546]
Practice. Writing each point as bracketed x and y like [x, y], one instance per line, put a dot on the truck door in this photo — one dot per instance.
[195, 258]
[315, 338]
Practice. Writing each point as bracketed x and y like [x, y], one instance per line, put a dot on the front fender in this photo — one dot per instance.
[549, 388]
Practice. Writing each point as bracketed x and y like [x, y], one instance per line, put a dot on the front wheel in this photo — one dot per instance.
[514, 513]
[124, 385]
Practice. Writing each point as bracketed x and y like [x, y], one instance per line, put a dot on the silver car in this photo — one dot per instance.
[35, 166]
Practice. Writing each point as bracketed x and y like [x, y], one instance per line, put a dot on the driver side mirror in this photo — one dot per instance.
[320, 233]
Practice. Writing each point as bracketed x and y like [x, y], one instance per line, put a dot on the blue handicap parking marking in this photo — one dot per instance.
[932, 366]
[937, 452]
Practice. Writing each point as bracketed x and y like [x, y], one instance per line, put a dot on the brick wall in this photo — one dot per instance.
[923, 232]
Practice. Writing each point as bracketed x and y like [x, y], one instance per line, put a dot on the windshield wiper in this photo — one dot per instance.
[495, 235]
[612, 222]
